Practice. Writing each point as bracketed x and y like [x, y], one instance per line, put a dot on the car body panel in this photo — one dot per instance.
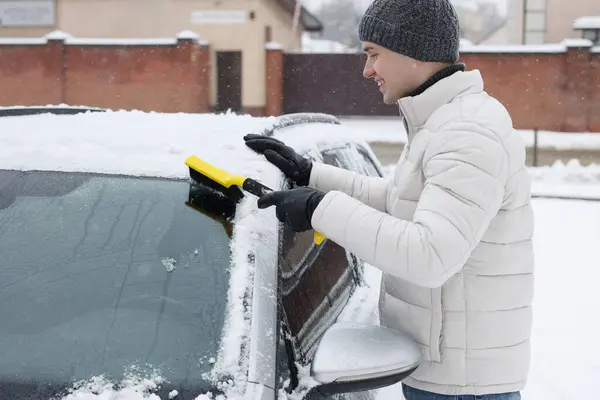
[263, 325]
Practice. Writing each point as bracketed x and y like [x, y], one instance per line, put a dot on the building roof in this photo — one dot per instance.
[308, 20]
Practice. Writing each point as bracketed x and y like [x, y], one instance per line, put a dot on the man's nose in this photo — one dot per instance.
[368, 70]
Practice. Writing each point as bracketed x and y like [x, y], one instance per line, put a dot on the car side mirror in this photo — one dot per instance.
[353, 357]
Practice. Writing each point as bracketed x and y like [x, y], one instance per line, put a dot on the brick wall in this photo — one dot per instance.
[31, 74]
[168, 76]
[550, 87]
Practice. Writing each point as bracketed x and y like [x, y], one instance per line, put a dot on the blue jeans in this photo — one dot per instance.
[411, 393]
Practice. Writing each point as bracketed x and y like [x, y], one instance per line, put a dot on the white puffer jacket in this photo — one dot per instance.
[452, 232]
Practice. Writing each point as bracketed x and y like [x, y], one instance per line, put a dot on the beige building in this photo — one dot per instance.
[543, 21]
[236, 30]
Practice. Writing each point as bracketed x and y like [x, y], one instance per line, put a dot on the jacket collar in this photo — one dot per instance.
[417, 109]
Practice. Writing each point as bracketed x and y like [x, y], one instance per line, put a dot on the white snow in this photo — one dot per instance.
[138, 143]
[578, 42]
[588, 22]
[188, 35]
[273, 46]
[569, 180]
[69, 39]
[61, 105]
[121, 41]
[133, 387]
[551, 48]
[146, 144]
[58, 35]
[25, 41]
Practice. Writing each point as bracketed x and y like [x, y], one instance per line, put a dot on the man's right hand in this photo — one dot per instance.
[292, 164]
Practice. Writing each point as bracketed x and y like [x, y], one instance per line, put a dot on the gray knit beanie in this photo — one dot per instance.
[426, 30]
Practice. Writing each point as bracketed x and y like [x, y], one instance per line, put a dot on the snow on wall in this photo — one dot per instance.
[551, 48]
[71, 40]
[589, 22]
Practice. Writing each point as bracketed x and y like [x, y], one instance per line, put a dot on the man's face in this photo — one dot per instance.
[396, 75]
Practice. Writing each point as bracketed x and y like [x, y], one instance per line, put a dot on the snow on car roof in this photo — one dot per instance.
[140, 143]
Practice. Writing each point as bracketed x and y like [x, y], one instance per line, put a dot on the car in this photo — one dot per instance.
[119, 272]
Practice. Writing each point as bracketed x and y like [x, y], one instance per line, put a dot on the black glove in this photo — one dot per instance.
[294, 207]
[292, 164]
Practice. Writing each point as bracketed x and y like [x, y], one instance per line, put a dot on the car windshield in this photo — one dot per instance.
[104, 275]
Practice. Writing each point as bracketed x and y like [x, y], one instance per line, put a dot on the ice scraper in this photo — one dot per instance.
[207, 174]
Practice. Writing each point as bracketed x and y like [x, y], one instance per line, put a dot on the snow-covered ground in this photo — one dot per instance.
[566, 349]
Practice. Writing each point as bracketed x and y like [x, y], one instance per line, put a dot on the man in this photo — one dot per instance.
[452, 228]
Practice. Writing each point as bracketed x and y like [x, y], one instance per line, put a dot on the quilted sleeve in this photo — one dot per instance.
[465, 169]
[370, 190]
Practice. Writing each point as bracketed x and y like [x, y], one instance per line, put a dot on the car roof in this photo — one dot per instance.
[148, 143]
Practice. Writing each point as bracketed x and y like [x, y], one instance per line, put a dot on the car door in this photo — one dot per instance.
[315, 282]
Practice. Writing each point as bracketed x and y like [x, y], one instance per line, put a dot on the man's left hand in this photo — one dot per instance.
[294, 207]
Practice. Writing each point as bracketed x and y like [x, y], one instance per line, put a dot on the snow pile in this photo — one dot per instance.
[587, 22]
[133, 387]
[567, 180]
[305, 384]
[572, 172]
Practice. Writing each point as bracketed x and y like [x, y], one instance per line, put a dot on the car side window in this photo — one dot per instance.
[354, 158]
[369, 165]
[315, 283]
[332, 157]
[309, 281]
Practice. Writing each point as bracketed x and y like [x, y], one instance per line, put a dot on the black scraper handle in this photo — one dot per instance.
[255, 187]
[258, 189]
